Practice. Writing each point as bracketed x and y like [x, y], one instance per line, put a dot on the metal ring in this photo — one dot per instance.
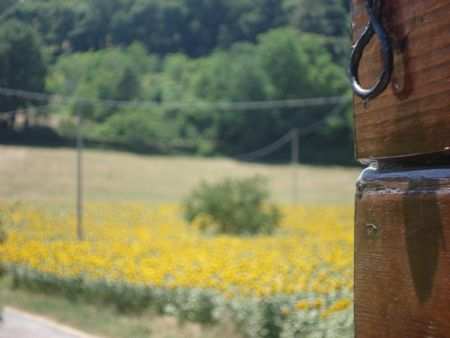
[374, 26]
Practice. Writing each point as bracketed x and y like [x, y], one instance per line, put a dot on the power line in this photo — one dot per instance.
[317, 125]
[190, 143]
[287, 138]
[250, 156]
[162, 145]
[267, 150]
[220, 105]
[41, 108]
[278, 144]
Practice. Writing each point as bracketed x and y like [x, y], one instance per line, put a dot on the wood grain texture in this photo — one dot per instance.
[402, 262]
[413, 115]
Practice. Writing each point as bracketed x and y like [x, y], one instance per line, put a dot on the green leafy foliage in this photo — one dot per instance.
[283, 64]
[201, 51]
[271, 317]
[318, 16]
[233, 206]
[22, 63]
[245, 72]
[193, 27]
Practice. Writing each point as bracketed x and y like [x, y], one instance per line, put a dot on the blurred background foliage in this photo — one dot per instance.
[181, 51]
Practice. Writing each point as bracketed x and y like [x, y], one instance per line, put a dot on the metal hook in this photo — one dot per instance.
[374, 26]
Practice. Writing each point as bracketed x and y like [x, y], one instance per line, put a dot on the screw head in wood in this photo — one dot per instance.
[372, 230]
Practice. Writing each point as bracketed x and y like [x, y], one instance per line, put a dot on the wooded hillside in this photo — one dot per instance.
[195, 52]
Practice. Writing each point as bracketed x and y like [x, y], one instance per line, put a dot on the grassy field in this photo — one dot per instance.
[49, 174]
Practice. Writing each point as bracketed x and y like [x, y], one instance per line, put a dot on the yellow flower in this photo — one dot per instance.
[153, 246]
[309, 304]
[340, 305]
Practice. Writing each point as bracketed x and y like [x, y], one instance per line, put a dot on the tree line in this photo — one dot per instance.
[168, 51]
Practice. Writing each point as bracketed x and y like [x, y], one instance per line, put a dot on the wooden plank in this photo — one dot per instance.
[402, 262]
[413, 115]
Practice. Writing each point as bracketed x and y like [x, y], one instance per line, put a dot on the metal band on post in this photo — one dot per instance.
[374, 26]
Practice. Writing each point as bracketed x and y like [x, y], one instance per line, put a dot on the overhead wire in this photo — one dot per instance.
[286, 138]
[250, 156]
[267, 150]
[220, 105]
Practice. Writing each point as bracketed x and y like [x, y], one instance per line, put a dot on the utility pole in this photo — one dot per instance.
[80, 233]
[295, 148]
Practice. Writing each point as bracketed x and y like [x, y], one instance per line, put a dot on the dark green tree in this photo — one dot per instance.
[93, 29]
[22, 64]
[128, 86]
[285, 64]
[192, 27]
[328, 18]
[7, 6]
[325, 17]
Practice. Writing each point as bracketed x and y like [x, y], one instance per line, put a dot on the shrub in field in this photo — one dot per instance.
[233, 206]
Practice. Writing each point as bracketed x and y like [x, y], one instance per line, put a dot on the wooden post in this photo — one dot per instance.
[295, 148]
[402, 230]
[80, 233]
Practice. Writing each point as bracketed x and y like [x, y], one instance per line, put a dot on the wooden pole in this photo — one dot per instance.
[80, 232]
[295, 149]
[402, 261]
[402, 223]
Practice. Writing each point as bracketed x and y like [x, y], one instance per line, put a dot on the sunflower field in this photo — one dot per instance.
[296, 282]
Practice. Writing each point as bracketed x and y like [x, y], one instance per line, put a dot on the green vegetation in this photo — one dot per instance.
[105, 320]
[192, 27]
[22, 64]
[233, 207]
[201, 51]
[250, 317]
[2, 230]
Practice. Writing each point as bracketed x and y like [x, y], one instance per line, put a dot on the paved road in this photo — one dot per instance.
[18, 324]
